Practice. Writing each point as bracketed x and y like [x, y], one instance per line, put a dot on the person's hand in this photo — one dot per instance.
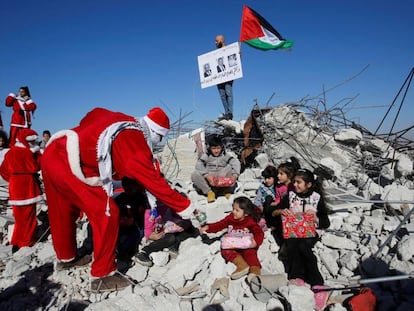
[156, 236]
[35, 148]
[254, 244]
[287, 212]
[210, 180]
[203, 229]
[233, 179]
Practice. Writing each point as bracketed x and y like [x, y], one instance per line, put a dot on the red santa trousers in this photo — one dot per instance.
[67, 196]
[25, 225]
[249, 255]
[13, 134]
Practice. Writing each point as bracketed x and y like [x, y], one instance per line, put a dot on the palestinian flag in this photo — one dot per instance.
[258, 33]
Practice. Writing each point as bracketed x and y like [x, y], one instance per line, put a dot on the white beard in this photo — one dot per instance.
[155, 138]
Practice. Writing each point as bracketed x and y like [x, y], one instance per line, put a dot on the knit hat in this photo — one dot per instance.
[25, 136]
[158, 121]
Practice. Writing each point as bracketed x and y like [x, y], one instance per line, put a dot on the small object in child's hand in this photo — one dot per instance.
[159, 225]
[201, 217]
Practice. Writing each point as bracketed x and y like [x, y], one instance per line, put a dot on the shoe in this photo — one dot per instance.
[143, 259]
[321, 298]
[211, 196]
[228, 116]
[242, 268]
[109, 283]
[77, 262]
[297, 282]
[253, 271]
[227, 196]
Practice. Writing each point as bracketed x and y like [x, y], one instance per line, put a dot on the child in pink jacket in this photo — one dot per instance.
[241, 221]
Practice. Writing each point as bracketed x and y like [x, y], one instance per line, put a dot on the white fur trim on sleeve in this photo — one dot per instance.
[186, 214]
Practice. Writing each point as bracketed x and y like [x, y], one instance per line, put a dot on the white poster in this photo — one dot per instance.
[220, 65]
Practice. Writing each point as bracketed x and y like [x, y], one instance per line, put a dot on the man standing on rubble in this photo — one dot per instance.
[78, 168]
[225, 89]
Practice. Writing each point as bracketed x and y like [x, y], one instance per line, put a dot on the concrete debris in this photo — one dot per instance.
[352, 162]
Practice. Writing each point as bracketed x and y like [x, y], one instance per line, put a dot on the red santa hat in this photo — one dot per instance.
[158, 121]
[24, 136]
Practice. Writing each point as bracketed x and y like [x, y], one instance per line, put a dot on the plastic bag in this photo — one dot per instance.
[364, 300]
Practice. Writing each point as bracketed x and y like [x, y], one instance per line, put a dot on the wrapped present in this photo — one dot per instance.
[172, 227]
[300, 225]
[221, 181]
[236, 240]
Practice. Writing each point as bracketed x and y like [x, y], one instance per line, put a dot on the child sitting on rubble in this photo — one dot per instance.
[306, 200]
[164, 229]
[285, 174]
[242, 240]
[267, 188]
[216, 171]
[132, 204]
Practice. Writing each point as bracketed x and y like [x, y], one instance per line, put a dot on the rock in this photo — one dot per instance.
[337, 242]
[404, 165]
[17, 267]
[160, 258]
[349, 260]
[334, 168]
[348, 136]
[262, 160]
[372, 224]
[395, 192]
[329, 259]
[300, 297]
[46, 253]
[406, 248]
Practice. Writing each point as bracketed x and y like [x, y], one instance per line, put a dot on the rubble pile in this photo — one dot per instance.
[359, 230]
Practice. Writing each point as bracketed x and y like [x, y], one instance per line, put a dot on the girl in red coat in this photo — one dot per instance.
[240, 222]
[20, 168]
[22, 105]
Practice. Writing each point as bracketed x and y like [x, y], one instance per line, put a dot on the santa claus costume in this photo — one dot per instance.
[20, 168]
[78, 168]
[22, 109]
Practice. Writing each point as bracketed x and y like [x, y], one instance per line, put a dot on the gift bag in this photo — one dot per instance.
[300, 225]
[221, 181]
[235, 240]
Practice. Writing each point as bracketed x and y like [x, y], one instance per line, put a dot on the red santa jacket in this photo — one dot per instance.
[20, 168]
[21, 110]
[245, 224]
[130, 155]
